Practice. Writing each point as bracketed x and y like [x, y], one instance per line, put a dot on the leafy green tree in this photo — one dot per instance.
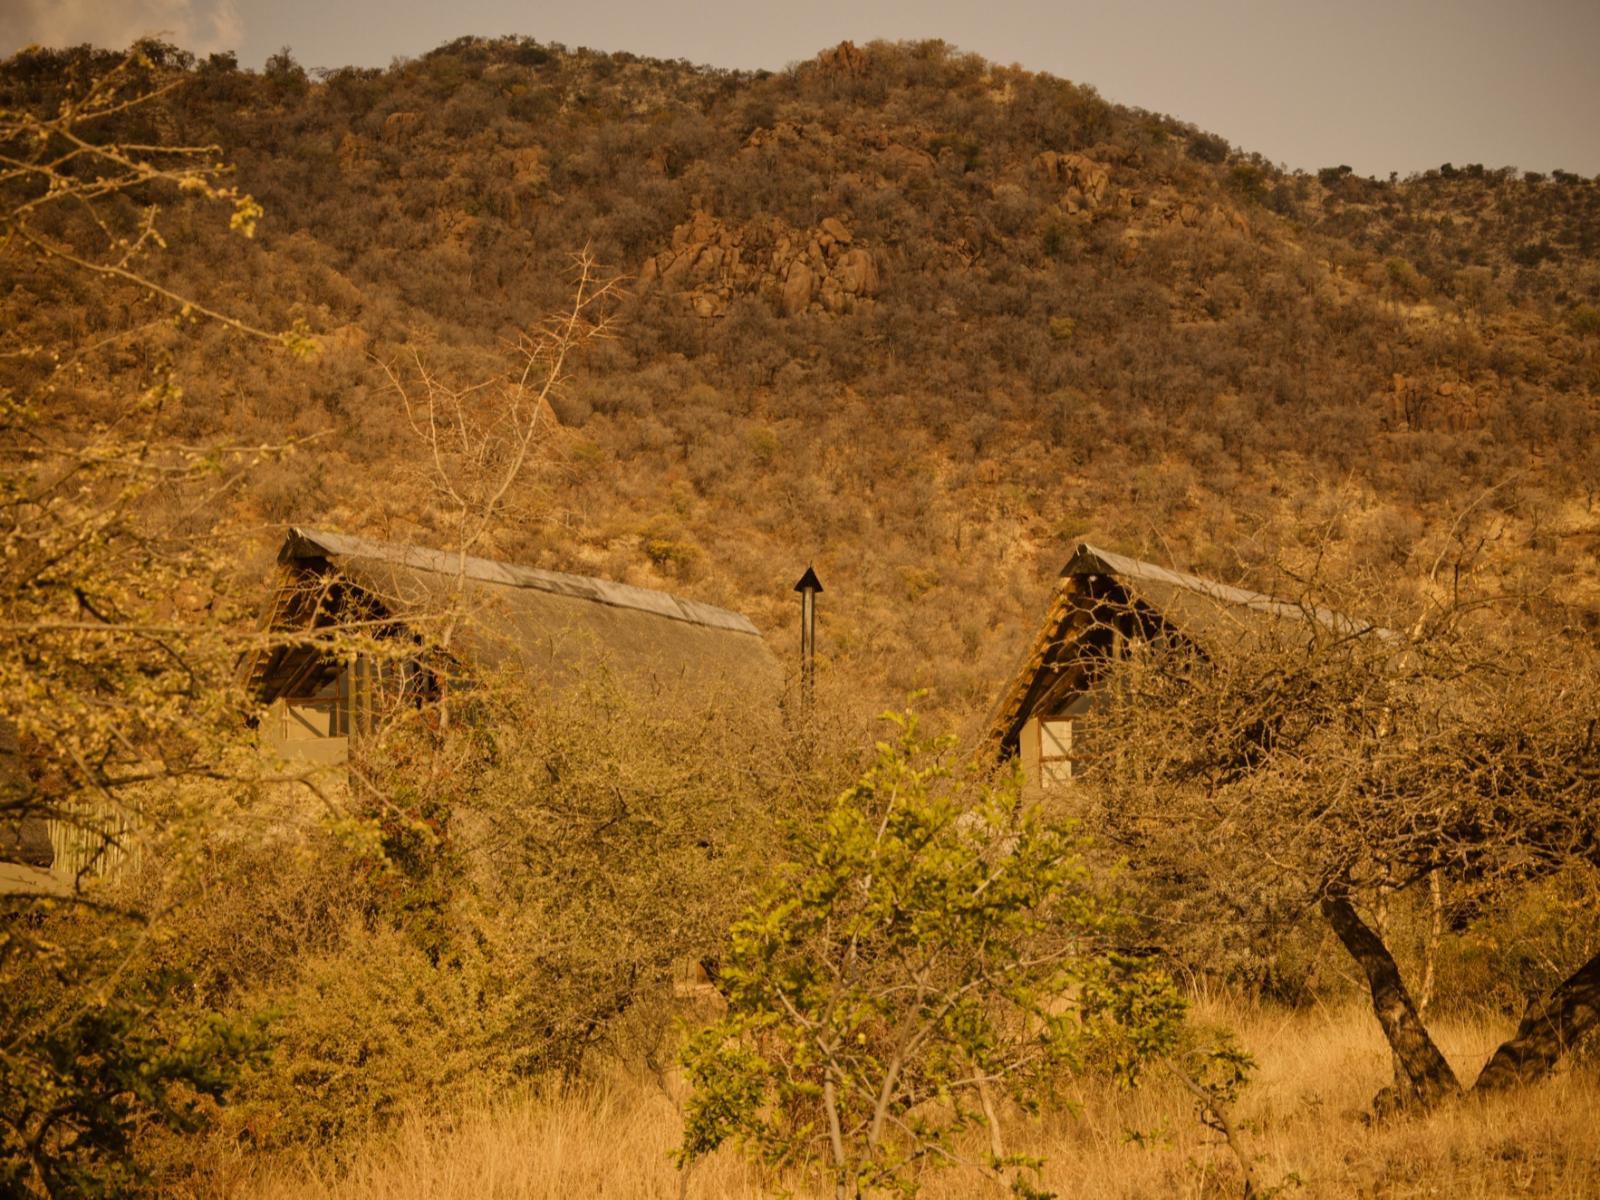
[85, 1065]
[940, 945]
[1405, 283]
[1208, 147]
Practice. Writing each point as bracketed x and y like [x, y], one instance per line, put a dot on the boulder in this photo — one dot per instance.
[1129, 251]
[834, 228]
[706, 264]
[843, 59]
[907, 158]
[797, 288]
[676, 268]
[702, 227]
[1090, 177]
[857, 272]
[832, 295]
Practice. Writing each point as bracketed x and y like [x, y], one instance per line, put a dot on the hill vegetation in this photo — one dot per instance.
[897, 310]
[913, 317]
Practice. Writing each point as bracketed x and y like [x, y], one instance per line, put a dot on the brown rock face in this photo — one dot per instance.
[1129, 250]
[908, 158]
[843, 59]
[832, 295]
[1090, 176]
[834, 228]
[796, 289]
[1080, 174]
[857, 272]
[709, 263]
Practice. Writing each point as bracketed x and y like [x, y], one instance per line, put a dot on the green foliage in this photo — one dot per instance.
[117, 666]
[1403, 279]
[1250, 181]
[666, 546]
[92, 1051]
[1214, 1063]
[1524, 948]
[1059, 238]
[764, 445]
[938, 943]
[1533, 253]
[1209, 148]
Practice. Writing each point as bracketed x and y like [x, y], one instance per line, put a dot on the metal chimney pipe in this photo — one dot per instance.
[808, 587]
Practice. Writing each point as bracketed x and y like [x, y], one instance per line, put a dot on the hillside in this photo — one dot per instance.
[922, 322]
[914, 317]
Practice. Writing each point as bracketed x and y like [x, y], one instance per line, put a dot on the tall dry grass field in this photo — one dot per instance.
[1316, 1072]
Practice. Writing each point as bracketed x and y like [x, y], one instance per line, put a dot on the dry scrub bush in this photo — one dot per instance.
[490, 904]
[373, 1029]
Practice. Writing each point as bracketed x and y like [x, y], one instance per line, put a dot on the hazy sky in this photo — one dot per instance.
[1382, 86]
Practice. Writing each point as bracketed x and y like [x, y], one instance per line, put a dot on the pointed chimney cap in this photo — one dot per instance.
[809, 582]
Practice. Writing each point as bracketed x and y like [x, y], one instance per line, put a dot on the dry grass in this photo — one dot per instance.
[1316, 1072]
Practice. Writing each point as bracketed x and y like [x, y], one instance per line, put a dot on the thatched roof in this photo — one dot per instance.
[1199, 610]
[553, 625]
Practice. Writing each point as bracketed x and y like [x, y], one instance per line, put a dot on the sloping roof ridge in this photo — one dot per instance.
[483, 570]
[1091, 560]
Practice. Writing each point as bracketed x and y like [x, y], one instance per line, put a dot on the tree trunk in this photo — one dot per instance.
[1547, 1031]
[830, 1103]
[1426, 1070]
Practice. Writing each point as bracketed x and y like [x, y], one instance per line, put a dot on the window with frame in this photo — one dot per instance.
[1055, 752]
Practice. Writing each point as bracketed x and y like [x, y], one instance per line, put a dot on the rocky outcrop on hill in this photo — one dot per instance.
[1084, 179]
[844, 59]
[710, 263]
[1088, 193]
[1450, 404]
